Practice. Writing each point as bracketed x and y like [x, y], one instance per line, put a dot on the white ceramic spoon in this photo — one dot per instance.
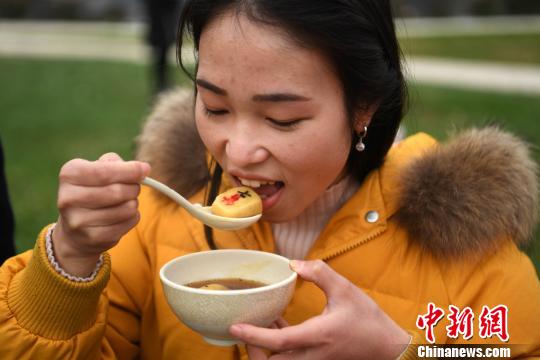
[203, 213]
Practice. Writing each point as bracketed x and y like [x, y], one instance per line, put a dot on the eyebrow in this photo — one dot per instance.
[280, 97]
[209, 86]
[275, 97]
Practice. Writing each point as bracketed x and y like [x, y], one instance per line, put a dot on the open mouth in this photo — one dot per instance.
[269, 191]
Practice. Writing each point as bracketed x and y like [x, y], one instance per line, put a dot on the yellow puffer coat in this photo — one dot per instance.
[436, 238]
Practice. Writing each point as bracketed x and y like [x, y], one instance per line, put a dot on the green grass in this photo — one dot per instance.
[55, 110]
[437, 110]
[513, 48]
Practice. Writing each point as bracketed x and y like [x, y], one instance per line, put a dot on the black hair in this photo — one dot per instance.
[359, 40]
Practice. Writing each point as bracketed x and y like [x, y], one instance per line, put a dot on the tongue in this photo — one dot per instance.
[268, 190]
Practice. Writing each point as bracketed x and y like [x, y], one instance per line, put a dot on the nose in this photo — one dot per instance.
[244, 148]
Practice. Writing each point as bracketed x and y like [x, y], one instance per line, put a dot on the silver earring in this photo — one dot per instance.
[360, 146]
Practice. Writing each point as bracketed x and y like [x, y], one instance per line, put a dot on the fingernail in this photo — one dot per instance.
[295, 265]
[236, 330]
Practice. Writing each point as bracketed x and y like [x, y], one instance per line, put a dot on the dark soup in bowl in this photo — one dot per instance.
[226, 284]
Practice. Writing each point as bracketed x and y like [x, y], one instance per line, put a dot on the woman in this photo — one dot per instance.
[300, 100]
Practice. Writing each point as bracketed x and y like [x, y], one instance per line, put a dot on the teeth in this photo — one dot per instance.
[255, 183]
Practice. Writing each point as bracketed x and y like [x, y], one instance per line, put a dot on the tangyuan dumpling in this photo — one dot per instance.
[237, 202]
[214, 287]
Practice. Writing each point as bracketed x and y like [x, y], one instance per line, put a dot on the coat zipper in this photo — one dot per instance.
[354, 245]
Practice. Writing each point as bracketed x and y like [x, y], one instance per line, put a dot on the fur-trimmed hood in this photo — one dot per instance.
[468, 194]
[171, 144]
[461, 197]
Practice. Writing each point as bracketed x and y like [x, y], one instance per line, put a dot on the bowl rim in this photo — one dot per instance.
[268, 287]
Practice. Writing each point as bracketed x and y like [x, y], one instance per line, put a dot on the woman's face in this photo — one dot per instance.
[271, 113]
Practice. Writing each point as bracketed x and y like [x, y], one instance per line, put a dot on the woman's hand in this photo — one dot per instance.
[98, 204]
[351, 326]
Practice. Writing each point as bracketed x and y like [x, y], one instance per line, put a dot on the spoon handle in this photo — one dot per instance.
[169, 192]
[203, 213]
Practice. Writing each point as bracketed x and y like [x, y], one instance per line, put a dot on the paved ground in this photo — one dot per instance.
[123, 42]
[464, 25]
[475, 75]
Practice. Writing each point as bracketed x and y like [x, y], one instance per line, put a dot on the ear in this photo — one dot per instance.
[363, 117]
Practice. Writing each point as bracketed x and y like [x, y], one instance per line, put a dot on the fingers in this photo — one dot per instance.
[98, 204]
[110, 157]
[256, 353]
[107, 170]
[96, 197]
[289, 338]
[96, 239]
[108, 235]
[281, 323]
[318, 272]
[295, 355]
[102, 217]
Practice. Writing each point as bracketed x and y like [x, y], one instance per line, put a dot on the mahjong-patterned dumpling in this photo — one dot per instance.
[237, 202]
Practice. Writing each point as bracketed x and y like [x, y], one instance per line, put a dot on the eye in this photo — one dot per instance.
[214, 112]
[285, 124]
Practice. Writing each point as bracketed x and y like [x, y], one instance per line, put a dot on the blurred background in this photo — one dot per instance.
[79, 77]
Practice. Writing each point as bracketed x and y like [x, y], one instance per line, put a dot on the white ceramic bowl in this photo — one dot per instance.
[212, 312]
